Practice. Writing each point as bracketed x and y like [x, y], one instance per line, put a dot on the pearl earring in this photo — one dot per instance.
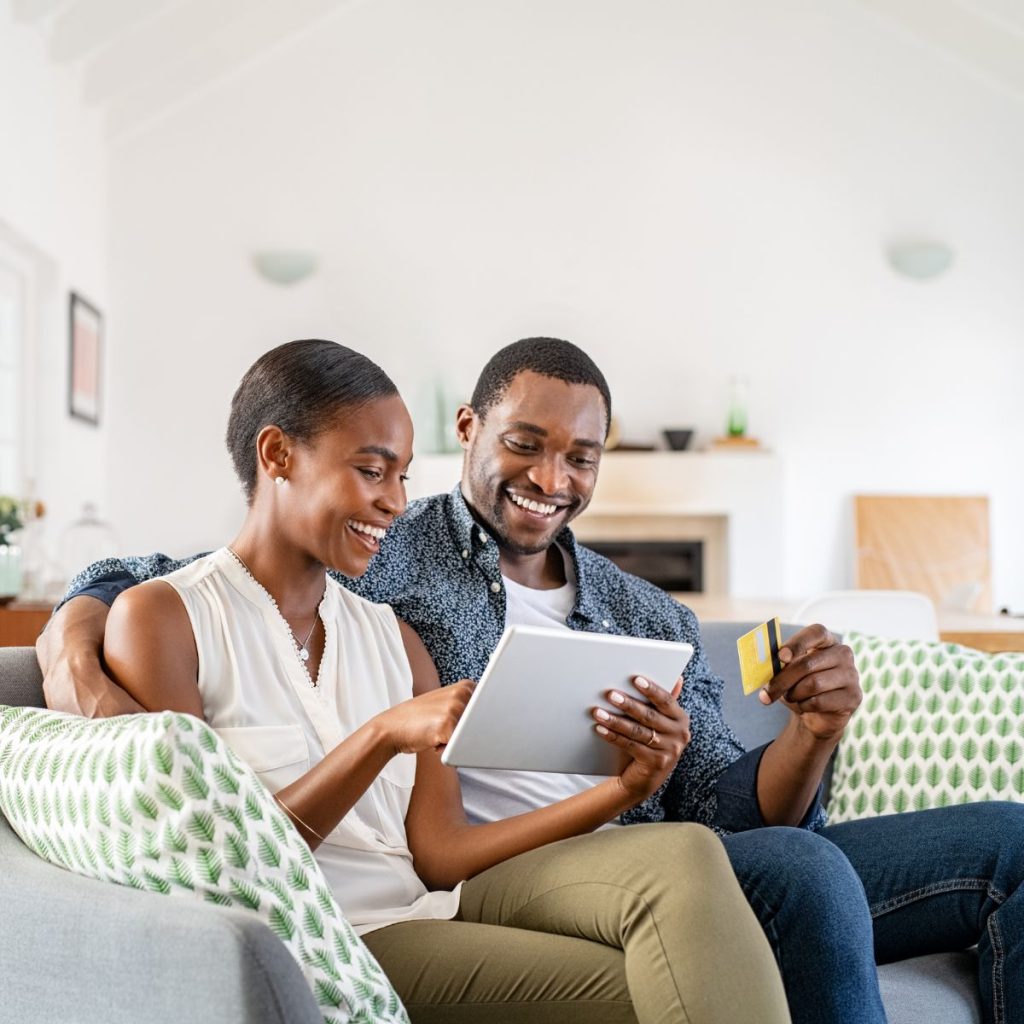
[279, 480]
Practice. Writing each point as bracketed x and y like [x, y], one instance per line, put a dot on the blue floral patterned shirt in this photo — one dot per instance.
[438, 568]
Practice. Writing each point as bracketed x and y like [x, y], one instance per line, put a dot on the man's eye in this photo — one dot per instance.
[582, 460]
[520, 446]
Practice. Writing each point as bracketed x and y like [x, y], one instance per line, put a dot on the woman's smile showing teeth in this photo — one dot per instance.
[373, 535]
[537, 507]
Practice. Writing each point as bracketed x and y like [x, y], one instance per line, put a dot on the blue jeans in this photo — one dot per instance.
[834, 903]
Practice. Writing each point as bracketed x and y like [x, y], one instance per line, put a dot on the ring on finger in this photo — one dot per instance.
[653, 741]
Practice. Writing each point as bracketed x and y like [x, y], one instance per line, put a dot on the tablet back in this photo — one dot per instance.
[531, 710]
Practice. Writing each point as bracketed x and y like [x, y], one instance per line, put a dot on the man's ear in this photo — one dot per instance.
[273, 451]
[466, 422]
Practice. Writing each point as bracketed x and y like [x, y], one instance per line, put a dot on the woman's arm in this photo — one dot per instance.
[151, 653]
[150, 650]
[447, 849]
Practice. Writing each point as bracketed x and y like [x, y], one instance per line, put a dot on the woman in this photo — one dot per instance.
[337, 705]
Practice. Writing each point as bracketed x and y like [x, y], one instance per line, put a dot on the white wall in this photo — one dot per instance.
[684, 189]
[53, 178]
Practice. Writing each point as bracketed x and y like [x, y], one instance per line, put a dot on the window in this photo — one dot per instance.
[16, 281]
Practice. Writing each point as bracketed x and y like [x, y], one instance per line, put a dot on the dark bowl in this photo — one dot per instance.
[678, 440]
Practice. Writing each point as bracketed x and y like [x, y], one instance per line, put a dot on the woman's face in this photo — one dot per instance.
[347, 485]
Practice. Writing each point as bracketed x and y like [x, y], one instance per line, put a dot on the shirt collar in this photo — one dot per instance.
[466, 531]
[469, 535]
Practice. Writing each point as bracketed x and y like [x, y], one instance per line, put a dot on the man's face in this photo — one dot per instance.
[531, 465]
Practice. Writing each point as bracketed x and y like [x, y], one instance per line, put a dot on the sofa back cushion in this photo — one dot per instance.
[21, 682]
[939, 724]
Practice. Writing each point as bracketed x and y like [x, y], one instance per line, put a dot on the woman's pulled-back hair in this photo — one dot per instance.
[301, 387]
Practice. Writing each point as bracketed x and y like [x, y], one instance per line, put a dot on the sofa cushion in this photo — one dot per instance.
[158, 802]
[940, 724]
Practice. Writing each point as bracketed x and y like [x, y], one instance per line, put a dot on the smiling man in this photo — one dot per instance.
[498, 550]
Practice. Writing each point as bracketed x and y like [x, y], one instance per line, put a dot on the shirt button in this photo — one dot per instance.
[483, 538]
[605, 623]
[465, 554]
[495, 587]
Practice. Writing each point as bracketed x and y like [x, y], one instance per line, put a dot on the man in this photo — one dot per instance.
[498, 550]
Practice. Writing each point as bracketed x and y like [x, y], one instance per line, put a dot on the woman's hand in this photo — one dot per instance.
[426, 722]
[654, 732]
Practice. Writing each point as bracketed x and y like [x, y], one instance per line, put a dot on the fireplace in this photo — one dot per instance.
[674, 565]
[682, 554]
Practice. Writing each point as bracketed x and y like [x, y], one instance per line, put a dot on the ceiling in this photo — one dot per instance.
[137, 59]
[984, 36]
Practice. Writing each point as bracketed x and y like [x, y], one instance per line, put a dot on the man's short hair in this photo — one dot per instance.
[550, 357]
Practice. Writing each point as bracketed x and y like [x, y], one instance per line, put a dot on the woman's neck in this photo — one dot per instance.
[294, 580]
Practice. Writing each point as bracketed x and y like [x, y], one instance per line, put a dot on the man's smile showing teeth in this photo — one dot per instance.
[533, 506]
[371, 531]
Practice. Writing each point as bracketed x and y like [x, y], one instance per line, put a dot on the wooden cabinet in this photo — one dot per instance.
[21, 623]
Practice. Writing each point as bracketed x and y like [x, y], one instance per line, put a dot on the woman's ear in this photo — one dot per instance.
[273, 452]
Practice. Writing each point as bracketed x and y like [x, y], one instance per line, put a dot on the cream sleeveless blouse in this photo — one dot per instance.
[258, 698]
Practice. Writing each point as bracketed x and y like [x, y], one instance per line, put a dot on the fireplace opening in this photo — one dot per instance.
[675, 566]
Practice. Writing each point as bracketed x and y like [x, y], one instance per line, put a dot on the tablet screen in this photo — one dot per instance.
[532, 708]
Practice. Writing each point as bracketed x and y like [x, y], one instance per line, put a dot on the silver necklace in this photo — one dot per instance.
[300, 649]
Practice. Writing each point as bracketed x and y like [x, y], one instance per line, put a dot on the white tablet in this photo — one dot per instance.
[531, 710]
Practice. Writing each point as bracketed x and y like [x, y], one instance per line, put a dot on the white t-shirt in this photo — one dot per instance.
[490, 794]
[259, 699]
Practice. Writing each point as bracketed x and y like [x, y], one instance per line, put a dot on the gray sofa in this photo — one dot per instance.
[76, 949]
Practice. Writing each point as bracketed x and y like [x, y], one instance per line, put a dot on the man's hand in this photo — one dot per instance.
[69, 653]
[818, 683]
[654, 732]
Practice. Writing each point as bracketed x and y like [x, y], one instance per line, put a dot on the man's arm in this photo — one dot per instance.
[716, 783]
[70, 652]
[70, 649]
[820, 686]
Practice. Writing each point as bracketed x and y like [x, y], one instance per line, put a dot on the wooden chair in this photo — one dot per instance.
[938, 546]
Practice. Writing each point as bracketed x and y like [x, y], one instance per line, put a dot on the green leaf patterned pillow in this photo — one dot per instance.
[939, 724]
[158, 802]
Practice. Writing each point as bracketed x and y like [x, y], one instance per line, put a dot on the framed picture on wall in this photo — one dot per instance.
[86, 340]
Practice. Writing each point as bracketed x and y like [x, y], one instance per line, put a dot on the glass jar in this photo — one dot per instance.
[88, 539]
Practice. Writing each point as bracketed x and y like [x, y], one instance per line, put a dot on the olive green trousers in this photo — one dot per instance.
[640, 924]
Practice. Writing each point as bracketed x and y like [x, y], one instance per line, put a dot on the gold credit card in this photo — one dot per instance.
[759, 655]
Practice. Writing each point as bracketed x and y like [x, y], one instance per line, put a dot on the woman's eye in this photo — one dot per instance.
[372, 474]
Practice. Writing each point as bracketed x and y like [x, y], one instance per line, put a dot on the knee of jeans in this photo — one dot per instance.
[810, 871]
[1002, 817]
[1003, 823]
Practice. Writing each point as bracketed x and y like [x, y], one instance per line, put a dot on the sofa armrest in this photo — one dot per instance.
[72, 948]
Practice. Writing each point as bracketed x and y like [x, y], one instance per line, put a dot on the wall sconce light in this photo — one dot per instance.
[920, 260]
[285, 266]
